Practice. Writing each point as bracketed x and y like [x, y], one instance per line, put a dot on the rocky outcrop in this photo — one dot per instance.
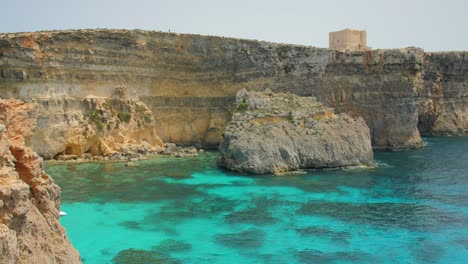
[276, 133]
[30, 230]
[118, 127]
[190, 81]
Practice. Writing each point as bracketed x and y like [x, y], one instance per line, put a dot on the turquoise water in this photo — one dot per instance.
[412, 208]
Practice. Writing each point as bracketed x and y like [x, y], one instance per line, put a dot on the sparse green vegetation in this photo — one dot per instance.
[107, 105]
[147, 119]
[124, 116]
[138, 123]
[243, 106]
[99, 125]
[140, 109]
[94, 115]
[95, 118]
[290, 117]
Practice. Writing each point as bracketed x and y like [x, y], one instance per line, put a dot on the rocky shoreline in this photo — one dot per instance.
[168, 150]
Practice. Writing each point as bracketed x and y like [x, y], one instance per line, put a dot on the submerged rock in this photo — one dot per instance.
[132, 164]
[139, 256]
[276, 133]
[171, 245]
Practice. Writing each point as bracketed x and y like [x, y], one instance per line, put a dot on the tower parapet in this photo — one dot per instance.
[348, 39]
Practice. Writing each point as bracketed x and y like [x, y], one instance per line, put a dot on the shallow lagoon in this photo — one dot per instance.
[412, 208]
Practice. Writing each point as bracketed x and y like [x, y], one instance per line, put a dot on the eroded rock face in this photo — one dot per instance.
[190, 81]
[30, 230]
[275, 133]
[444, 108]
[117, 126]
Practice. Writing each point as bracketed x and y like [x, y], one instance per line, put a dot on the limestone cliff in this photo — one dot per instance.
[444, 108]
[115, 127]
[275, 133]
[190, 81]
[30, 230]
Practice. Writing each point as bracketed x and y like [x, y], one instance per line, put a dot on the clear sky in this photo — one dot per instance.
[434, 25]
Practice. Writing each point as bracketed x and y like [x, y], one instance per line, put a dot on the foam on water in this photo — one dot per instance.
[412, 208]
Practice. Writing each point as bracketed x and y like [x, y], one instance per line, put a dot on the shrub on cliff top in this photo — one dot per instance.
[124, 116]
[243, 106]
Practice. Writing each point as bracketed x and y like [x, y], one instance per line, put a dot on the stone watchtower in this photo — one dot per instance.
[348, 39]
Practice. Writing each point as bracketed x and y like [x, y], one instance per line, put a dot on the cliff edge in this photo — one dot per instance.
[276, 133]
[30, 230]
[189, 82]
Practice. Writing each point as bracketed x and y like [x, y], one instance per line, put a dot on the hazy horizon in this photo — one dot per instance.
[431, 25]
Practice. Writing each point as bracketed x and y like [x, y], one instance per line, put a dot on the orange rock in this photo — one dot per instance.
[30, 230]
[19, 119]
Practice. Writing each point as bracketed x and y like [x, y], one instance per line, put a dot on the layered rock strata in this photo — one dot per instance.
[276, 133]
[444, 105]
[118, 127]
[190, 81]
[30, 230]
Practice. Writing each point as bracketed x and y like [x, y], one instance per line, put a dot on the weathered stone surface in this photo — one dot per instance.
[190, 81]
[20, 118]
[444, 108]
[94, 126]
[30, 230]
[179, 152]
[275, 133]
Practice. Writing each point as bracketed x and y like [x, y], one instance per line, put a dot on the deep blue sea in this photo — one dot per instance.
[411, 208]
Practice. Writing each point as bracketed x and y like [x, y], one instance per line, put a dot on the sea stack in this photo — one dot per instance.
[277, 132]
